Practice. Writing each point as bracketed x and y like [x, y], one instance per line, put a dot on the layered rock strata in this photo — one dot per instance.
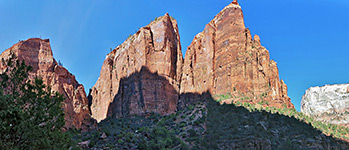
[328, 103]
[225, 60]
[147, 74]
[38, 54]
[142, 75]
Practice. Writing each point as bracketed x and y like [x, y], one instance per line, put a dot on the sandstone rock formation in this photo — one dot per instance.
[224, 59]
[38, 54]
[328, 103]
[142, 75]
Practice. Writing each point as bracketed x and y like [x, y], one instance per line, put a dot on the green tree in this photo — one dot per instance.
[31, 116]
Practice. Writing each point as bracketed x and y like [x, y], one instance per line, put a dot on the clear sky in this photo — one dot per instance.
[308, 39]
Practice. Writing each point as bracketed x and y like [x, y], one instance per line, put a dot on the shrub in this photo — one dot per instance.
[31, 116]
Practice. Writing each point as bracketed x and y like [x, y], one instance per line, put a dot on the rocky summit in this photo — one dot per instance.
[38, 54]
[142, 75]
[225, 60]
[147, 73]
[329, 103]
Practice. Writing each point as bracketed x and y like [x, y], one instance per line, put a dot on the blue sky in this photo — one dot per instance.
[308, 39]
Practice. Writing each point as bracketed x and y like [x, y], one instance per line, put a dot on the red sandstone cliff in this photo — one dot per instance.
[224, 59]
[146, 73]
[38, 54]
[142, 75]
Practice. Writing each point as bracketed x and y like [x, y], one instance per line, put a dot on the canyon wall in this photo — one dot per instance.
[147, 74]
[142, 75]
[225, 60]
[38, 54]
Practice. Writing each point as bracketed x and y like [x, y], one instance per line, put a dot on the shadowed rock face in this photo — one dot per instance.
[224, 59]
[155, 47]
[142, 93]
[328, 103]
[38, 54]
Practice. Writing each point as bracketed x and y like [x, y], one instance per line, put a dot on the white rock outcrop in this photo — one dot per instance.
[328, 103]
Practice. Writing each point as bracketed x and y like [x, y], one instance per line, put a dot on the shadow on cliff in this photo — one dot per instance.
[227, 125]
[144, 93]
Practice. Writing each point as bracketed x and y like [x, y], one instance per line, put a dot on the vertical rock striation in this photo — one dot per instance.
[142, 75]
[224, 59]
[38, 54]
[147, 74]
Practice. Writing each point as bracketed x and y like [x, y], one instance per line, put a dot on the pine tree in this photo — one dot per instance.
[31, 116]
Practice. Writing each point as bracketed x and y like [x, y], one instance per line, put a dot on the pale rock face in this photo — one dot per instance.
[38, 54]
[327, 103]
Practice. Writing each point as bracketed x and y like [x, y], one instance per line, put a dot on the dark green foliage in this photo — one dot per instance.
[160, 138]
[281, 127]
[288, 145]
[209, 125]
[182, 130]
[31, 117]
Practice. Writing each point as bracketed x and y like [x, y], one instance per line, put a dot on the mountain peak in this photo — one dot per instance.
[37, 53]
[235, 2]
[224, 60]
[152, 57]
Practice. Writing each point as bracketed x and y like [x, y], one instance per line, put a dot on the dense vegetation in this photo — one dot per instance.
[209, 125]
[336, 131]
[176, 131]
[31, 116]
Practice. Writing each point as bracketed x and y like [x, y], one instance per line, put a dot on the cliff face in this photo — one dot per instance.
[38, 54]
[224, 59]
[127, 84]
[328, 103]
[144, 74]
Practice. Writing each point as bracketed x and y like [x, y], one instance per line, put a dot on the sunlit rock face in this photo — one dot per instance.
[147, 73]
[225, 60]
[141, 75]
[327, 103]
[38, 54]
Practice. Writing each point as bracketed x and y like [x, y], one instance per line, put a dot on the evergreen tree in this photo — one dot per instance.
[31, 116]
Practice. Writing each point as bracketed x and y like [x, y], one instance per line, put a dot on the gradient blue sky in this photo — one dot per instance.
[308, 39]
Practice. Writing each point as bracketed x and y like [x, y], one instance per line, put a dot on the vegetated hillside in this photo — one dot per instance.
[209, 125]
